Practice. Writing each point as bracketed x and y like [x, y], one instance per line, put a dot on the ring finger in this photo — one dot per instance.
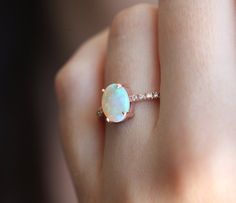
[132, 60]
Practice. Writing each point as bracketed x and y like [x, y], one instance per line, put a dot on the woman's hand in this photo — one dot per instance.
[181, 149]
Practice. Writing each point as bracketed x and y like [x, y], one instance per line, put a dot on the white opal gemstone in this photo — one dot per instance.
[115, 103]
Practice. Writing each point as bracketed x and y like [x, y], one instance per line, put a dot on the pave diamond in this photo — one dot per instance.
[149, 95]
[156, 94]
[141, 96]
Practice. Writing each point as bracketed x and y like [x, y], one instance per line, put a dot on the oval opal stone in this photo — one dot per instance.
[115, 103]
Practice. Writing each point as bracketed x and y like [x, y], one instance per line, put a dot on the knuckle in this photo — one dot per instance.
[134, 16]
[64, 80]
[77, 73]
[142, 7]
[68, 79]
[68, 76]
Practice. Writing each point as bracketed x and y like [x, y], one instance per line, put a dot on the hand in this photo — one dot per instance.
[181, 150]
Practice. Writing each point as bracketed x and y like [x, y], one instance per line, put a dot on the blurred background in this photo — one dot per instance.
[37, 37]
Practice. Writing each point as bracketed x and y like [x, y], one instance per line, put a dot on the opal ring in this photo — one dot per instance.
[117, 102]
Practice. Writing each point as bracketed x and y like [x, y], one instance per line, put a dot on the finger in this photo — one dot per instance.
[82, 133]
[198, 92]
[133, 61]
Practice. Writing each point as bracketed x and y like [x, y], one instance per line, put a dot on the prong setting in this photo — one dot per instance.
[118, 85]
[124, 113]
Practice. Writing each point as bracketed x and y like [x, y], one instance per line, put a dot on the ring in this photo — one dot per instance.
[117, 102]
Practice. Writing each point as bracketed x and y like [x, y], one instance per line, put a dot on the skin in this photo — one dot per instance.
[181, 149]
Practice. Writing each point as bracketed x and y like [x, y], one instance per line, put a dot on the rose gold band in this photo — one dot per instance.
[137, 98]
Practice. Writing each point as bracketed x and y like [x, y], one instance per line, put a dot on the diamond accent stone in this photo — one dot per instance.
[149, 95]
[141, 96]
[100, 112]
[156, 95]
